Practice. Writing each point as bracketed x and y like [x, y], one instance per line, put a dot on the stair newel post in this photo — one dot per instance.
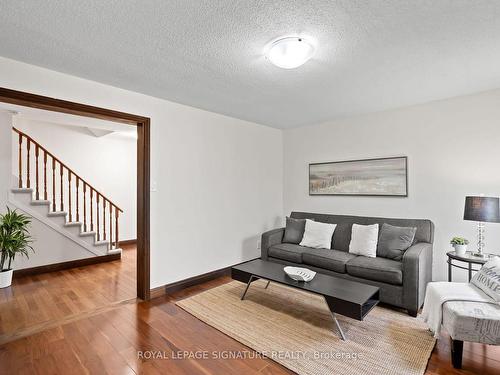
[20, 161]
[77, 198]
[104, 217]
[45, 175]
[84, 206]
[110, 226]
[97, 216]
[28, 180]
[53, 184]
[61, 173]
[69, 196]
[117, 244]
[91, 209]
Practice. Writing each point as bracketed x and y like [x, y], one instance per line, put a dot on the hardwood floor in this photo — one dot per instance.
[106, 339]
[38, 301]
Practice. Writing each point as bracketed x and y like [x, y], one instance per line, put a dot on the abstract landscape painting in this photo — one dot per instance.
[387, 176]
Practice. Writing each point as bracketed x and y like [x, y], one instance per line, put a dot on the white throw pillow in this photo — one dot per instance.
[488, 279]
[364, 239]
[318, 235]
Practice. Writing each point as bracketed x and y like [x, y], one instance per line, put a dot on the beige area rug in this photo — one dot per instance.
[295, 329]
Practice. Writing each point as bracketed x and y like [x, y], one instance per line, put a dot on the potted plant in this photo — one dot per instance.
[460, 245]
[14, 240]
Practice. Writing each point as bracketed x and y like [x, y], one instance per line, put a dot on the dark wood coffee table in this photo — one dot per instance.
[349, 298]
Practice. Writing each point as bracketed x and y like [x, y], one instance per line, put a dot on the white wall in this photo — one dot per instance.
[219, 179]
[453, 149]
[5, 156]
[108, 163]
[49, 246]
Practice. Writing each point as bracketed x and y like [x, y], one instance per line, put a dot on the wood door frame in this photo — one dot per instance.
[143, 125]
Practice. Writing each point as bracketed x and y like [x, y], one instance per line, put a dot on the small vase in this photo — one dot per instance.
[460, 250]
[5, 278]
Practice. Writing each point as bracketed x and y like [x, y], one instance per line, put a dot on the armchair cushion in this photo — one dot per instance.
[472, 321]
[488, 279]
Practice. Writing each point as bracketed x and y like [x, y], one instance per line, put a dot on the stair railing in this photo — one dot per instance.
[42, 190]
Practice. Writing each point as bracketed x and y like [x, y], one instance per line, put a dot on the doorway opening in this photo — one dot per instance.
[142, 125]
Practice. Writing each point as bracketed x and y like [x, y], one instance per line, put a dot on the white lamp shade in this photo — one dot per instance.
[290, 52]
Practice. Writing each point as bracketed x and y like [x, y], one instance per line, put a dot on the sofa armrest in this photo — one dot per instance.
[270, 238]
[417, 273]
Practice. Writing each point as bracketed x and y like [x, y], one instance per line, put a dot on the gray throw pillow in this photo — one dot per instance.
[294, 230]
[394, 241]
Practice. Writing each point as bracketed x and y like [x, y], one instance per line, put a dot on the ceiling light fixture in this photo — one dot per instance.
[290, 52]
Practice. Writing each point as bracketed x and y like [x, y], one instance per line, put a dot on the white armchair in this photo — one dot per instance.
[467, 311]
[470, 321]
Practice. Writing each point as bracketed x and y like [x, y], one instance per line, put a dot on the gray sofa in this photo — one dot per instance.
[402, 283]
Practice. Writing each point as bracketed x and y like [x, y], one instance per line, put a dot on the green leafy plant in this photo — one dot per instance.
[459, 241]
[14, 237]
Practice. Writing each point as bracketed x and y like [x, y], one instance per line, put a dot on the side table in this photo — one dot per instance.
[468, 258]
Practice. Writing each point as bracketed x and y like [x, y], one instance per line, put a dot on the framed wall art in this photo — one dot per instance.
[370, 177]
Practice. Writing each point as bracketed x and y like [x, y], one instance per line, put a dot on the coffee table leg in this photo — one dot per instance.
[248, 285]
[268, 282]
[334, 316]
[338, 326]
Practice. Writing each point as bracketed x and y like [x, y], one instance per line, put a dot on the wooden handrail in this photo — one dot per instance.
[41, 153]
[64, 166]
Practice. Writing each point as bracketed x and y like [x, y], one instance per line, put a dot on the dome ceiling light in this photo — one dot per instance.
[290, 52]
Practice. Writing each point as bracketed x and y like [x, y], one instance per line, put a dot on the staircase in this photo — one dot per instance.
[64, 201]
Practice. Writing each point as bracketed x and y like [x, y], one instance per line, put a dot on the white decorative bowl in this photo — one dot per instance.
[299, 274]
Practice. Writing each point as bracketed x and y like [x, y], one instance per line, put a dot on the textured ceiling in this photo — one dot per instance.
[372, 55]
[41, 115]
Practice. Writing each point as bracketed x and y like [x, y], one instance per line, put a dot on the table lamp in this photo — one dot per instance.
[481, 210]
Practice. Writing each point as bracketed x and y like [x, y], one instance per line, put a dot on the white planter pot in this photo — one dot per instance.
[460, 250]
[5, 278]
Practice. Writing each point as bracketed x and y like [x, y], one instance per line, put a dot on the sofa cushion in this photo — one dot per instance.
[364, 240]
[287, 251]
[333, 260]
[294, 230]
[342, 235]
[394, 241]
[378, 269]
[318, 235]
